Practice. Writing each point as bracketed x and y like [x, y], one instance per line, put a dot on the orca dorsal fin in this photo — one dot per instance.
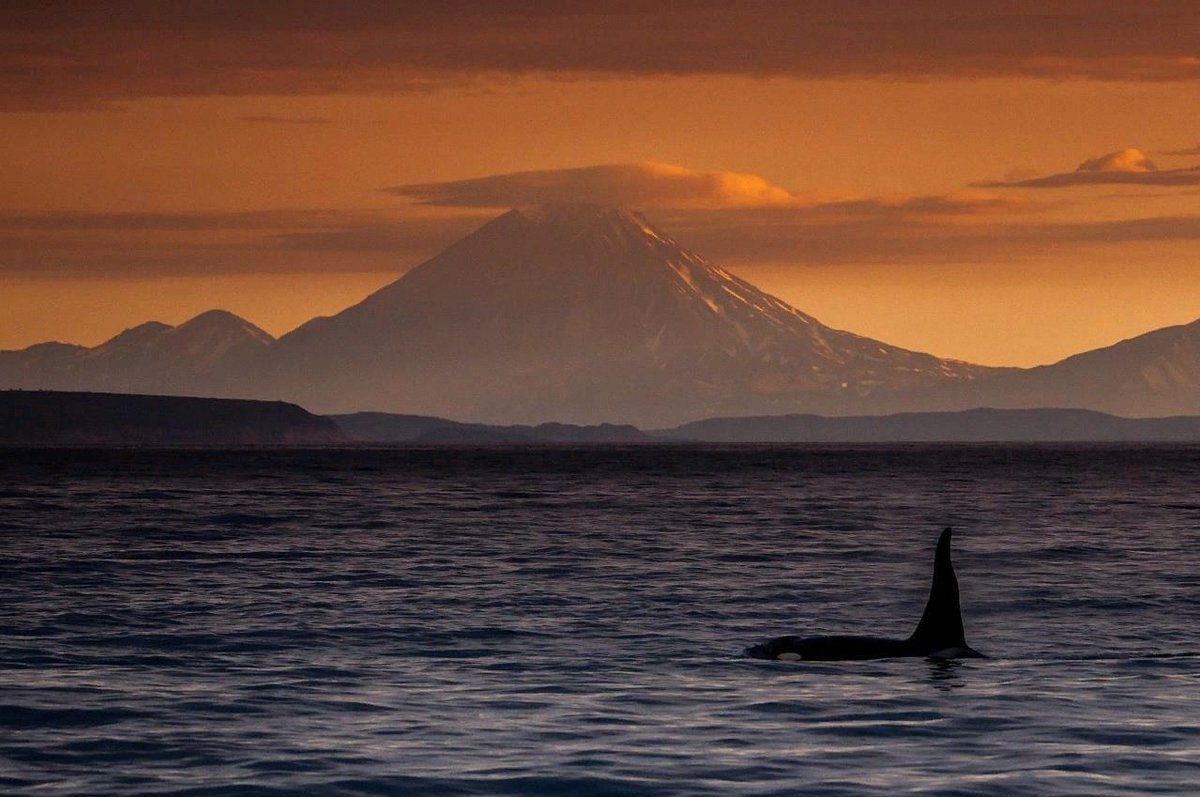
[941, 625]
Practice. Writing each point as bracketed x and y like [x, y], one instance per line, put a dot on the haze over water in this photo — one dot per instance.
[570, 621]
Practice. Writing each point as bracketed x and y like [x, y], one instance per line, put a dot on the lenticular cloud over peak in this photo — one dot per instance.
[645, 184]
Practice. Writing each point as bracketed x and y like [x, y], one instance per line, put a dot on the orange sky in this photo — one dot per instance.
[284, 166]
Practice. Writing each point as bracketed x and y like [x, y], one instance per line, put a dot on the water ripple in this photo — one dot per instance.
[569, 621]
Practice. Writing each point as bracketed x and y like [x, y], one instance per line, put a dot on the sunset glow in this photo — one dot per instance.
[1011, 193]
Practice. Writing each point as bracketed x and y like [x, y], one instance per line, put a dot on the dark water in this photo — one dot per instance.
[568, 621]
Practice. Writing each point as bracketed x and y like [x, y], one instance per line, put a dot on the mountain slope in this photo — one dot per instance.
[584, 314]
[1154, 374]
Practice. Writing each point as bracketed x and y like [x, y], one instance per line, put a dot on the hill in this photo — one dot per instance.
[45, 417]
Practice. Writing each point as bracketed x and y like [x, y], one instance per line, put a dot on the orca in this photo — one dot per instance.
[939, 634]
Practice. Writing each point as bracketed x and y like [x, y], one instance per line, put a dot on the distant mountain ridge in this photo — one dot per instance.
[585, 314]
[381, 427]
[207, 355]
[964, 426]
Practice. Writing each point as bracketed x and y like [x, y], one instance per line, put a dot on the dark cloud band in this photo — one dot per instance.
[1124, 167]
[77, 245]
[73, 54]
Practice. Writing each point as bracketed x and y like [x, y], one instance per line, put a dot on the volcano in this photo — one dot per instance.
[585, 314]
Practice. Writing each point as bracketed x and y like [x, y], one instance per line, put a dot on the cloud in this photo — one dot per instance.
[1123, 167]
[1154, 228]
[80, 54]
[1125, 161]
[743, 218]
[1181, 152]
[735, 215]
[397, 236]
[962, 204]
[647, 184]
[967, 228]
[644, 185]
[286, 120]
[882, 235]
[716, 211]
[71, 222]
[83, 245]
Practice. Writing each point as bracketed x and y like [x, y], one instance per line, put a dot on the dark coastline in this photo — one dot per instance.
[35, 417]
[53, 418]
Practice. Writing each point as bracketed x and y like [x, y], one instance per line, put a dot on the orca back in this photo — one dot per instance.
[939, 635]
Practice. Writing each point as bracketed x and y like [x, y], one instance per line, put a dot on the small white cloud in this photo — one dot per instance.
[1127, 161]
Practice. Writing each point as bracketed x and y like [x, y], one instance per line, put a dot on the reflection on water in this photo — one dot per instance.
[567, 621]
[945, 673]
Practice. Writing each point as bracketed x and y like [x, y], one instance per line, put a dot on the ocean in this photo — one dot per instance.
[571, 620]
